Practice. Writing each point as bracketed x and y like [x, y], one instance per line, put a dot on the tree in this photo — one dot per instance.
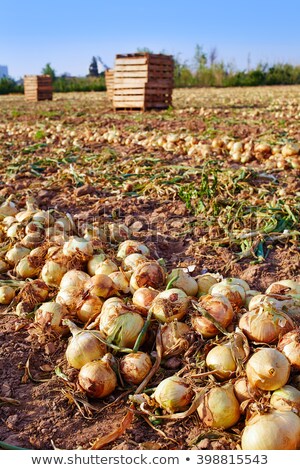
[93, 68]
[200, 58]
[48, 70]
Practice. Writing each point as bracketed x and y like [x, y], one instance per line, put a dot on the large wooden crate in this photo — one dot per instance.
[38, 87]
[109, 82]
[143, 81]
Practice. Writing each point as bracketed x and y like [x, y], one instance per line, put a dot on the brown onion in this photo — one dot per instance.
[101, 285]
[134, 367]
[289, 345]
[143, 298]
[220, 308]
[265, 325]
[149, 274]
[97, 378]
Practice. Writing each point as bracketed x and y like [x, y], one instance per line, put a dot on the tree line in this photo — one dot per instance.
[205, 71]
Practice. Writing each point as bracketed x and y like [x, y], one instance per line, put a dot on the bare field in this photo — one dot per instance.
[210, 185]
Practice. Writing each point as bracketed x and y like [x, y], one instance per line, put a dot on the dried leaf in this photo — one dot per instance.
[103, 441]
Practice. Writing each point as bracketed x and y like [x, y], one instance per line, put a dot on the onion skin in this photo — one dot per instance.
[284, 287]
[173, 338]
[51, 314]
[128, 247]
[97, 378]
[277, 430]
[268, 369]
[219, 407]
[134, 367]
[219, 307]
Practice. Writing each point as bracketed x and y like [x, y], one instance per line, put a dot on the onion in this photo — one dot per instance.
[15, 230]
[4, 267]
[77, 244]
[120, 325]
[25, 268]
[134, 367]
[34, 228]
[7, 294]
[143, 298]
[128, 247]
[285, 287]
[268, 369]
[174, 338]
[276, 430]
[170, 305]
[131, 262]
[52, 273]
[44, 217]
[121, 281]
[235, 281]
[206, 281]
[220, 308]
[281, 303]
[16, 253]
[51, 315]
[8, 208]
[235, 293]
[249, 295]
[289, 345]
[83, 347]
[89, 308]
[63, 224]
[174, 394]
[118, 232]
[183, 281]
[265, 324]
[33, 240]
[8, 221]
[219, 407]
[97, 378]
[286, 398]
[149, 274]
[101, 285]
[243, 390]
[221, 361]
[69, 298]
[74, 278]
[94, 262]
[106, 267]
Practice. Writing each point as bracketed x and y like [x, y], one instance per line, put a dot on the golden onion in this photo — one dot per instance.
[89, 308]
[143, 298]
[174, 394]
[220, 308]
[74, 278]
[182, 280]
[286, 398]
[83, 347]
[174, 338]
[93, 262]
[101, 285]
[289, 345]
[148, 274]
[51, 315]
[7, 293]
[219, 407]
[265, 324]
[97, 379]
[268, 369]
[169, 305]
[221, 362]
[206, 281]
[127, 247]
[276, 430]
[134, 367]
[52, 273]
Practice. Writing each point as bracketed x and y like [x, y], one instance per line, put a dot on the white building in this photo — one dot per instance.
[3, 71]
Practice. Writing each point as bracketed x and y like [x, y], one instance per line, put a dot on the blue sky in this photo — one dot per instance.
[67, 33]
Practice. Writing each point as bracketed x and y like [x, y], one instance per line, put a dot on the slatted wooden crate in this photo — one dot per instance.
[143, 81]
[38, 87]
[109, 81]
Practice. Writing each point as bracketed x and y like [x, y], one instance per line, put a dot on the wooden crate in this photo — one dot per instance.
[143, 81]
[38, 87]
[109, 81]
